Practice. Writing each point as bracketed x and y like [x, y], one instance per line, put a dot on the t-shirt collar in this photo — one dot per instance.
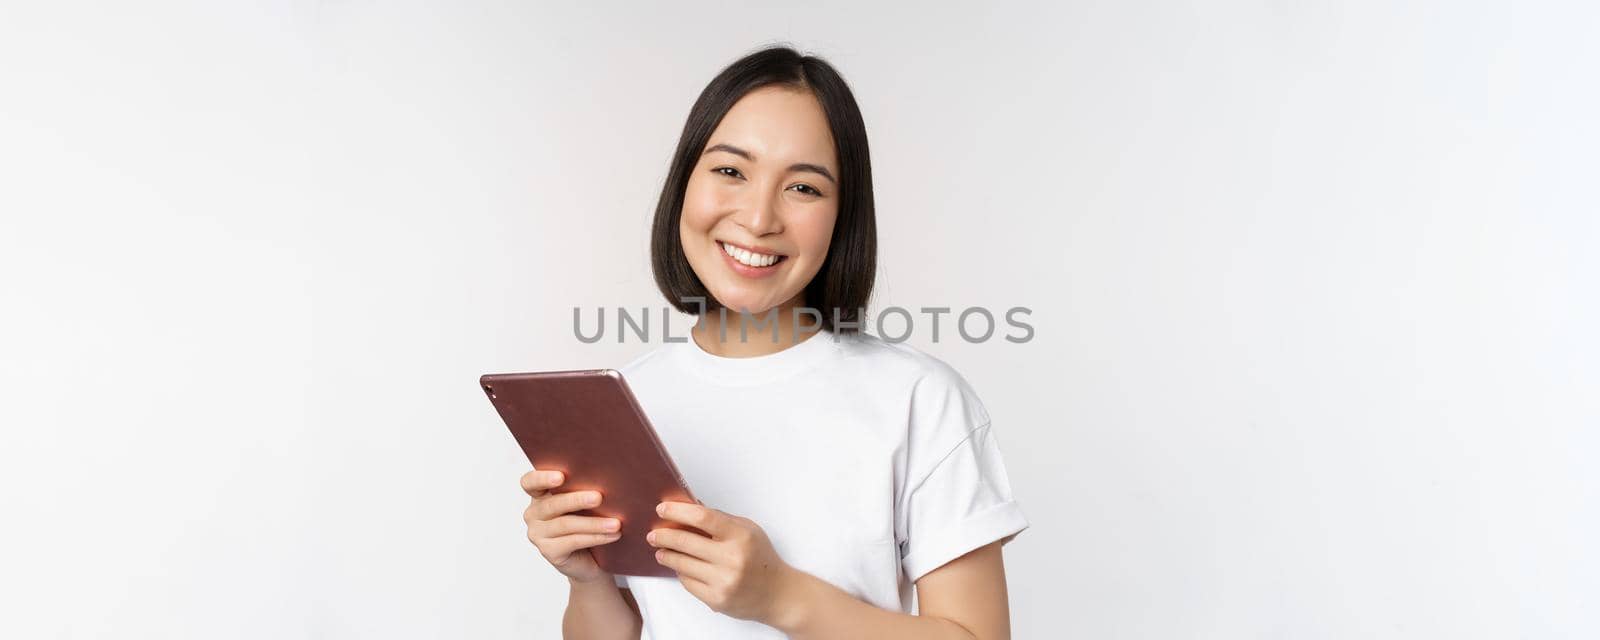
[792, 360]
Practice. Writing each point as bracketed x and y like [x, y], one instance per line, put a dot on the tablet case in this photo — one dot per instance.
[588, 425]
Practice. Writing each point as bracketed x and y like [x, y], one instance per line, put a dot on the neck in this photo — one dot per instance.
[718, 332]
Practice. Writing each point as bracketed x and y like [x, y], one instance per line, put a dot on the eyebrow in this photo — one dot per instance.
[798, 166]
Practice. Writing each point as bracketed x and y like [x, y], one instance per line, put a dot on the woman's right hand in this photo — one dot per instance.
[564, 539]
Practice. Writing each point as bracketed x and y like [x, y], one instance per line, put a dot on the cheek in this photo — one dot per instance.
[815, 232]
[700, 206]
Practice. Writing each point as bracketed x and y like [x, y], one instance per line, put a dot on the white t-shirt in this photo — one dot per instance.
[868, 464]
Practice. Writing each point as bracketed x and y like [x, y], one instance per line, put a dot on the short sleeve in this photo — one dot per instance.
[958, 497]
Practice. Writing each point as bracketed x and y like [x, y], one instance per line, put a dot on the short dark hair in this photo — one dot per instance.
[844, 282]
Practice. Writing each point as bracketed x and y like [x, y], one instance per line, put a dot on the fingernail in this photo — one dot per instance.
[592, 499]
[661, 508]
[611, 525]
[651, 537]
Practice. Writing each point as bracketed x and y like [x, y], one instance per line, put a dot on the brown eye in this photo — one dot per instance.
[729, 171]
[806, 189]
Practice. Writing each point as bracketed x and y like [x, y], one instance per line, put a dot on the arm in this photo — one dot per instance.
[736, 572]
[600, 610]
[964, 599]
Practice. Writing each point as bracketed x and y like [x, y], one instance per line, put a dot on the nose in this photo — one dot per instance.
[760, 214]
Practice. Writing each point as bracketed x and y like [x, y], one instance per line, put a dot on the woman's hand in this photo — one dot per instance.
[562, 539]
[735, 571]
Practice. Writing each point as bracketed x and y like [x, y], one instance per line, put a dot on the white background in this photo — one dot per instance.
[1314, 285]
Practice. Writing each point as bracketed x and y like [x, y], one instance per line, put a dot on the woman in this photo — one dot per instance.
[838, 471]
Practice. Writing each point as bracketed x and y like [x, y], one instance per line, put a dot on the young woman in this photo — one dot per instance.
[839, 472]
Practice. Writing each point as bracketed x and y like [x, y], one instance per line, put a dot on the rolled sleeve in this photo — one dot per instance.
[964, 502]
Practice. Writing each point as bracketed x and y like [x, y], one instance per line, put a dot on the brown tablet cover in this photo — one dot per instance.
[588, 425]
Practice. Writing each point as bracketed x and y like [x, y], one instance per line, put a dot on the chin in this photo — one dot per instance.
[736, 302]
[735, 306]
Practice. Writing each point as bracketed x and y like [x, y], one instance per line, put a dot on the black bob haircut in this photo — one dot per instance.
[843, 284]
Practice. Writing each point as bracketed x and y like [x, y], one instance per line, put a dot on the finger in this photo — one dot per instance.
[566, 525]
[686, 565]
[536, 482]
[686, 542]
[698, 516]
[562, 546]
[539, 480]
[551, 505]
[697, 588]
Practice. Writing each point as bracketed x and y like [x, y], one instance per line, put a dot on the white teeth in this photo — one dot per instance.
[747, 258]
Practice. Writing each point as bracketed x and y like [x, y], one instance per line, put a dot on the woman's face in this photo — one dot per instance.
[761, 202]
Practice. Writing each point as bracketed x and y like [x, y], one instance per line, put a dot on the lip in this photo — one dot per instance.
[752, 249]
[754, 273]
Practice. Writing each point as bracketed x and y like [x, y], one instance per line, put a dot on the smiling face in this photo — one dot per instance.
[760, 205]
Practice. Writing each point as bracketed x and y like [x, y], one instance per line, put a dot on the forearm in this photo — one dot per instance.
[596, 611]
[815, 609]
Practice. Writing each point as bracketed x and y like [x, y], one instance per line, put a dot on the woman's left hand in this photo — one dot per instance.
[735, 571]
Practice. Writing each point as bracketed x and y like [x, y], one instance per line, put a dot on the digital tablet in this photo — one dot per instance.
[587, 425]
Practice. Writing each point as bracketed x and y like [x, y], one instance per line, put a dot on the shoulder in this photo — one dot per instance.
[646, 362]
[934, 388]
[902, 360]
[898, 357]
